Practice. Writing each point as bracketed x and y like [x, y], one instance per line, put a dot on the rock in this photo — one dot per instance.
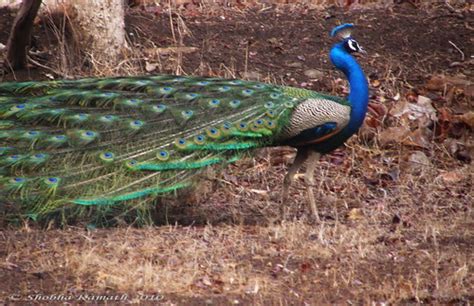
[314, 74]
[418, 161]
[295, 65]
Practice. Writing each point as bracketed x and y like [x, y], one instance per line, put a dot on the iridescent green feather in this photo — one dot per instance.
[115, 141]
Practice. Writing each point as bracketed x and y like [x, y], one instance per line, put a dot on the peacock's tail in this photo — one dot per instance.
[119, 141]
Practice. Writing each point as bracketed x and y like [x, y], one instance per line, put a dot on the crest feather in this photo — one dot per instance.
[342, 31]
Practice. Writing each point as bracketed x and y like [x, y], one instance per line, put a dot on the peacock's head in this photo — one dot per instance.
[349, 44]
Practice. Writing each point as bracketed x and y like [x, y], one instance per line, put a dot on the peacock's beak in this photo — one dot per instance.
[362, 51]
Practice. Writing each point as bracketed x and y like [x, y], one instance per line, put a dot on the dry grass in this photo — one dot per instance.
[353, 262]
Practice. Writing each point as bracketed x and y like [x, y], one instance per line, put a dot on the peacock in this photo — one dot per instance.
[124, 141]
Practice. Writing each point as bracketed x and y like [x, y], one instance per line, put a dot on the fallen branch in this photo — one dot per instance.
[457, 48]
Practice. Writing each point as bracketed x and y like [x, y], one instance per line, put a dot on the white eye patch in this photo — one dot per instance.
[353, 45]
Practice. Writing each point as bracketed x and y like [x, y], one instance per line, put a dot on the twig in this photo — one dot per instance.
[246, 64]
[456, 47]
[450, 7]
[47, 68]
[453, 10]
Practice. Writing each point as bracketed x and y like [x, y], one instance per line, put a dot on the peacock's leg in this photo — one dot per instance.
[301, 156]
[312, 160]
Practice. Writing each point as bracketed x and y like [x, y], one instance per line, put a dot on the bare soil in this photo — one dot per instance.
[395, 228]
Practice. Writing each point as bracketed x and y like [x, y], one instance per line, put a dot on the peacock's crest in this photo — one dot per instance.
[342, 31]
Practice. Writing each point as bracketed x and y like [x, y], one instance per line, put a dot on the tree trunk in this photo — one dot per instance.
[20, 36]
[101, 28]
[95, 28]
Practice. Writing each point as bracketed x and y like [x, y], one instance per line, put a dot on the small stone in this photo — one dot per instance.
[295, 65]
[418, 161]
[314, 74]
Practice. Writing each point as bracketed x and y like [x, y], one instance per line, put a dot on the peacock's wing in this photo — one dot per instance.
[113, 140]
[315, 119]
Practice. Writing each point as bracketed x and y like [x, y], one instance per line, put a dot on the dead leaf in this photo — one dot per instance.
[446, 83]
[377, 109]
[411, 96]
[427, 108]
[371, 122]
[418, 138]
[149, 67]
[276, 43]
[375, 83]
[355, 214]
[377, 112]
[418, 116]
[452, 145]
[467, 118]
[206, 281]
[395, 134]
[445, 122]
[414, 111]
[418, 160]
[450, 177]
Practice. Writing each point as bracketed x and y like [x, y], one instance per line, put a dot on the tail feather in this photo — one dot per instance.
[116, 140]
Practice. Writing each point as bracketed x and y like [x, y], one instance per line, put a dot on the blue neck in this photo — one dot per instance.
[359, 89]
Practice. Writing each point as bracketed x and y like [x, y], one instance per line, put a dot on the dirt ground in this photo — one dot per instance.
[396, 214]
